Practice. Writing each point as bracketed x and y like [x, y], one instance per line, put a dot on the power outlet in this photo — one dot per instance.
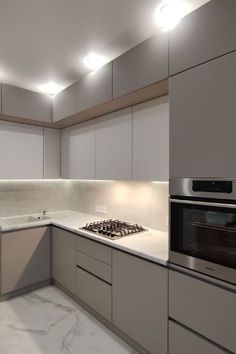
[100, 209]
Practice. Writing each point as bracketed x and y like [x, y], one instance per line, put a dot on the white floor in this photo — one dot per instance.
[47, 321]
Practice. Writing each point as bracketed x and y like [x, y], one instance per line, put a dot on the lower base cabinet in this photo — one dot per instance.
[140, 301]
[183, 341]
[25, 258]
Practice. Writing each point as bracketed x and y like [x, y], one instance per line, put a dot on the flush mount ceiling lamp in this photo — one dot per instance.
[94, 61]
[170, 12]
[50, 88]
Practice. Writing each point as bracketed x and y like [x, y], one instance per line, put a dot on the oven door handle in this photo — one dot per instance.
[193, 202]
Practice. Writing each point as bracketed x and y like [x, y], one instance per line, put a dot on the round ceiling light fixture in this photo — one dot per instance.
[170, 12]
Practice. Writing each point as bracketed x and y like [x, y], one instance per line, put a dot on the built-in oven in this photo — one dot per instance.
[203, 226]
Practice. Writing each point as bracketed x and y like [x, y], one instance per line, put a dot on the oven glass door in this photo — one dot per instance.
[204, 231]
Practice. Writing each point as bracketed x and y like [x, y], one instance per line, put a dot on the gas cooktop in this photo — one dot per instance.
[113, 229]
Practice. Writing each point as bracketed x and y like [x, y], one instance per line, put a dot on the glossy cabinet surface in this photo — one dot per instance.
[204, 34]
[114, 146]
[52, 153]
[140, 301]
[202, 120]
[95, 88]
[151, 140]
[78, 151]
[23, 103]
[65, 103]
[29, 266]
[141, 66]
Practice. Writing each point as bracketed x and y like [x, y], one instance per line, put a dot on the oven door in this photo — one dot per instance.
[203, 237]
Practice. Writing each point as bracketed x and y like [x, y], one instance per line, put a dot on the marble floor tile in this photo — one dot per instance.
[47, 321]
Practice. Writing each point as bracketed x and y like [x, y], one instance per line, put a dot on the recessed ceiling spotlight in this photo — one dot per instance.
[94, 61]
[170, 12]
[50, 88]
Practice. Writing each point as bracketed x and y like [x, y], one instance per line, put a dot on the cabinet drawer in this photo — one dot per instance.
[94, 249]
[92, 265]
[94, 292]
[182, 341]
[205, 308]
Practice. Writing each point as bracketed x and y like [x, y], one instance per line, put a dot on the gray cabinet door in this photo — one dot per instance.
[52, 144]
[64, 258]
[182, 341]
[25, 258]
[141, 66]
[151, 140]
[95, 88]
[22, 103]
[78, 151]
[203, 35]
[140, 301]
[205, 308]
[21, 151]
[64, 103]
[114, 146]
[202, 120]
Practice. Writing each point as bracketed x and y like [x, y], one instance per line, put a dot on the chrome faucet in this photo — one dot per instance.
[44, 212]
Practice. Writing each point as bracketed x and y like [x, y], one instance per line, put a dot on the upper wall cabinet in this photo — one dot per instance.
[78, 151]
[64, 103]
[95, 88]
[202, 120]
[51, 150]
[141, 66]
[22, 103]
[114, 146]
[203, 35]
[21, 151]
[151, 140]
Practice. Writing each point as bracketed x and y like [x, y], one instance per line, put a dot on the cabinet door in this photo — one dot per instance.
[21, 151]
[202, 120]
[114, 146]
[25, 258]
[22, 103]
[182, 341]
[151, 140]
[141, 66]
[78, 151]
[64, 103]
[140, 301]
[95, 88]
[204, 34]
[52, 139]
[205, 308]
[64, 258]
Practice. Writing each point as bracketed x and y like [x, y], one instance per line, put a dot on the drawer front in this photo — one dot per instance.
[98, 268]
[182, 341]
[94, 292]
[205, 308]
[94, 249]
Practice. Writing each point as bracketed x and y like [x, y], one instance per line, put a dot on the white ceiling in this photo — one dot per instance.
[47, 40]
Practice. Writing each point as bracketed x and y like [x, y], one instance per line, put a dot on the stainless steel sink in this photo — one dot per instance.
[24, 219]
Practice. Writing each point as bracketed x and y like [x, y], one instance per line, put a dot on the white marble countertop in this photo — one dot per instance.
[150, 244]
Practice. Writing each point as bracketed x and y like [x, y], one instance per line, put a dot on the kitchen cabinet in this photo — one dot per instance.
[95, 88]
[23, 103]
[183, 341]
[21, 151]
[151, 140]
[52, 153]
[202, 120]
[29, 266]
[204, 34]
[141, 66]
[78, 151]
[64, 258]
[114, 146]
[207, 309]
[140, 301]
[65, 103]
